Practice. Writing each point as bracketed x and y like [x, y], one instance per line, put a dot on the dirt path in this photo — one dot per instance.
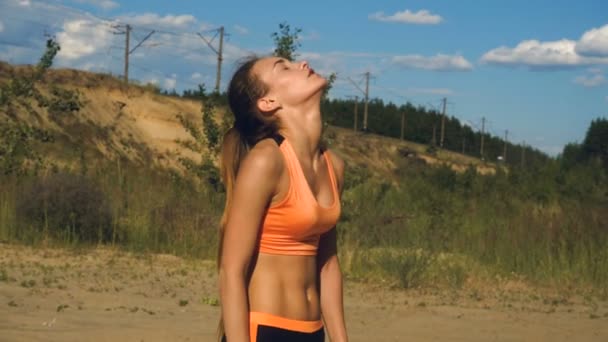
[104, 295]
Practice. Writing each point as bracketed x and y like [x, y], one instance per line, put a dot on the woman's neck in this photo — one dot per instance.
[303, 129]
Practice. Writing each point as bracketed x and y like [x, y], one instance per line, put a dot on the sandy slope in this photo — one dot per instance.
[137, 124]
[106, 295]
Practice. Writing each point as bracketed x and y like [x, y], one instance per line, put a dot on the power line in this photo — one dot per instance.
[157, 73]
[17, 44]
[128, 50]
[72, 9]
[148, 43]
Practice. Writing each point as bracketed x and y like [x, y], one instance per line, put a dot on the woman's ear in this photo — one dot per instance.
[267, 104]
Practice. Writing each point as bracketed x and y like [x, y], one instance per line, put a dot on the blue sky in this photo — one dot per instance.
[535, 68]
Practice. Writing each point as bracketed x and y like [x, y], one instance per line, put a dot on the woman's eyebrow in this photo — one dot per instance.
[277, 62]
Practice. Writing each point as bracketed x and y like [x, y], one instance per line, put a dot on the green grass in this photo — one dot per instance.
[7, 210]
[475, 225]
[434, 228]
[150, 212]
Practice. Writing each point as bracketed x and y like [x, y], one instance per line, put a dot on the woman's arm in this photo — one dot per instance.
[330, 275]
[254, 187]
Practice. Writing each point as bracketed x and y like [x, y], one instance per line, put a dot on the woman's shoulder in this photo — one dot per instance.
[264, 158]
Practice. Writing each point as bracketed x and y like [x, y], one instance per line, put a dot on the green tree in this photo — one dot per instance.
[596, 141]
[17, 140]
[46, 61]
[17, 150]
[210, 127]
[286, 41]
[205, 142]
[571, 155]
[330, 82]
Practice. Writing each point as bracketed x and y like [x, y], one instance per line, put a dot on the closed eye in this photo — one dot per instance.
[280, 61]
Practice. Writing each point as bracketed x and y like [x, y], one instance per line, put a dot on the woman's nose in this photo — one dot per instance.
[304, 65]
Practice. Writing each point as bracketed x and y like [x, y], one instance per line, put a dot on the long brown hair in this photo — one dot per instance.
[250, 126]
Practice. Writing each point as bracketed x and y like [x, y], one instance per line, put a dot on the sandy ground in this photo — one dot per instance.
[106, 295]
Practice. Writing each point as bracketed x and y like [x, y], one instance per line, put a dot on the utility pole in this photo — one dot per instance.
[128, 38]
[356, 112]
[219, 61]
[366, 101]
[523, 155]
[504, 151]
[402, 125]
[219, 54]
[128, 50]
[366, 94]
[443, 123]
[483, 128]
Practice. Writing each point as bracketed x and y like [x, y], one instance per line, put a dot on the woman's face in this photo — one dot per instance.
[289, 83]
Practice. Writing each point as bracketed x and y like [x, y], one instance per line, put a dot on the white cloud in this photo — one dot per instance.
[324, 64]
[241, 30]
[594, 43]
[82, 37]
[439, 62]
[590, 81]
[313, 35]
[88, 43]
[168, 21]
[87, 66]
[535, 53]
[103, 4]
[311, 56]
[606, 98]
[409, 17]
[151, 80]
[232, 53]
[170, 83]
[413, 92]
[591, 49]
[431, 91]
[16, 54]
[107, 4]
[25, 3]
[196, 76]
[358, 54]
[206, 27]
[1, 27]
[595, 70]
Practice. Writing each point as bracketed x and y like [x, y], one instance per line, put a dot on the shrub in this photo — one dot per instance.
[66, 206]
[62, 102]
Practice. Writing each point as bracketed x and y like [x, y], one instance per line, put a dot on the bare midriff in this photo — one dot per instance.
[285, 286]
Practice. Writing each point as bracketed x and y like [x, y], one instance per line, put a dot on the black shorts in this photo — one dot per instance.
[269, 328]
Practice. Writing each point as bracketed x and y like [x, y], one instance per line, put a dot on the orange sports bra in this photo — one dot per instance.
[294, 225]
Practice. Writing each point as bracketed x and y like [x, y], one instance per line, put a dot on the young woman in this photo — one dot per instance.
[278, 267]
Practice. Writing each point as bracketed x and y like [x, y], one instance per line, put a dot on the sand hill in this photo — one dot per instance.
[136, 123]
